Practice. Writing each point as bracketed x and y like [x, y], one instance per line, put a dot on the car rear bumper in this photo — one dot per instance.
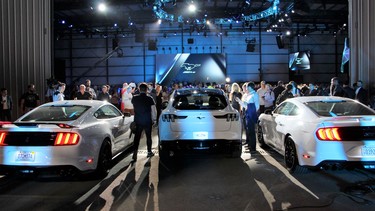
[187, 146]
[36, 170]
[350, 152]
[342, 164]
[47, 157]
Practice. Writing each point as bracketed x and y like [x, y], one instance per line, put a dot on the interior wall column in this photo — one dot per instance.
[362, 42]
[25, 47]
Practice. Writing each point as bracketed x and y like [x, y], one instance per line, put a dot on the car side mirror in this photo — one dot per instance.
[164, 105]
[127, 114]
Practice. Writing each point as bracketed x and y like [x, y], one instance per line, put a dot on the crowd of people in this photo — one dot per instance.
[121, 95]
[249, 98]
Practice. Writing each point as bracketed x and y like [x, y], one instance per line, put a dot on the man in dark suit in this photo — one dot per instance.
[311, 91]
[361, 94]
[349, 91]
[336, 88]
[277, 90]
[144, 118]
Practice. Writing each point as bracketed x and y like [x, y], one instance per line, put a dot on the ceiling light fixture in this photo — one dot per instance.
[192, 8]
[102, 7]
[158, 8]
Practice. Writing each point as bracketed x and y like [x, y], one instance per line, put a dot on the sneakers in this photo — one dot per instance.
[150, 154]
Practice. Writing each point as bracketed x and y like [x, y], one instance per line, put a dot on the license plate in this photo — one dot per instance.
[368, 151]
[25, 156]
[200, 135]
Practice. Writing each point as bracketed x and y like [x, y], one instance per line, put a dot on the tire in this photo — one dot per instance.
[236, 151]
[260, 138]
[291, 158]
[163, 153]
[104, 161]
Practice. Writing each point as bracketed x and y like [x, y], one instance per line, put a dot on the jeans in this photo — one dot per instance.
[250, 135]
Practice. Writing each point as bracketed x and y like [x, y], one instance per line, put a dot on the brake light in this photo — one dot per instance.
[232, 117]
[63, 139]
[4, 123]
[2, 138]
[168, 117]
[65, 126]
[328, 134]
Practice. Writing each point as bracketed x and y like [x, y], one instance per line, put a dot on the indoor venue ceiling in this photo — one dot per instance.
[124, 14]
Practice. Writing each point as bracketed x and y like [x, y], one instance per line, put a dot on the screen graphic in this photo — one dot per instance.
[190, 68]
[299, 61]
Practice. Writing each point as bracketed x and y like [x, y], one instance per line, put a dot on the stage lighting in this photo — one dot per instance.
[102, 7]
[192, 8]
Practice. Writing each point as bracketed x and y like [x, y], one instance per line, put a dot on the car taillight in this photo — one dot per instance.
[328, 134]
[4, 123]
[65, 126]
[168, 117]
[63, 139]
[2, 138]
[232, 117]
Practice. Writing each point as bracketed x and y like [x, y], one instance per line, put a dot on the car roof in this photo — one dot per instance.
[91, 103]
[318, 98]
[189, 91]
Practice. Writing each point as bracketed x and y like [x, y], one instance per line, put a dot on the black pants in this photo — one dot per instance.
[261, 109]
[5, 115]
[137, 138]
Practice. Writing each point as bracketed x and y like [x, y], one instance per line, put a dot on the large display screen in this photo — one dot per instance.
[299, 61]
[190, 68]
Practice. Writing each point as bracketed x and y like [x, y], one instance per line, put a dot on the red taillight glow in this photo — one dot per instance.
[2, 138]
[328, 134]
[168, 117]
[64, 126]
[63, 139]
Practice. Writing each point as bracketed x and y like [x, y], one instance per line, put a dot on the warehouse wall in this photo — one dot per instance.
[25, 46]
[267, 61]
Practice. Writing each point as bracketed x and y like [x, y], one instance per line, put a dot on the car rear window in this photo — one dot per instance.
[200, 101]
[56, 113]
[339, 108]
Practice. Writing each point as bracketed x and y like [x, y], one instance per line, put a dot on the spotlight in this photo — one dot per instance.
[102, 7]
[192, 8]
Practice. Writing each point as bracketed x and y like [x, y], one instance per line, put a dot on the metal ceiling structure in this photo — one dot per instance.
[127, 14]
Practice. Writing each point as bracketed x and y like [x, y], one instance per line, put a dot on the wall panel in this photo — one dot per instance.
[25, 46]
[267, 61]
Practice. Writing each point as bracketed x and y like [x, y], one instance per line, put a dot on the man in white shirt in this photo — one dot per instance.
[251, 105]
[59, 94]
[261, 92]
